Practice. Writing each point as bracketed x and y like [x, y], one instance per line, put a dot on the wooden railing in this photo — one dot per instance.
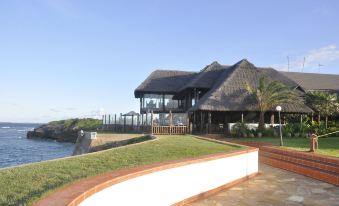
[169, 130]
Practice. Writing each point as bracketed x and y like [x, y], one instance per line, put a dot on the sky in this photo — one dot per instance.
[82, 58]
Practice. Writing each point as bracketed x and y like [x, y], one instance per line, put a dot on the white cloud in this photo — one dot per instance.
[313, 59]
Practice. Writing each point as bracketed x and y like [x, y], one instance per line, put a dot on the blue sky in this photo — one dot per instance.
[78, 58]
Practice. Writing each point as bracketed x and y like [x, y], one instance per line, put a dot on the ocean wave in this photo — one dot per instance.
[5, 127]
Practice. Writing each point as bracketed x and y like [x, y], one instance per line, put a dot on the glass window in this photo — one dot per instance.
[171, 103]
[152, 101]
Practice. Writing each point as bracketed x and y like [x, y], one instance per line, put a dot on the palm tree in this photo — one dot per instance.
[324, 103]
[270, 94]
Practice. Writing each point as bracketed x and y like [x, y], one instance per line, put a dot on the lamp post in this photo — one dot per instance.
[278, 108]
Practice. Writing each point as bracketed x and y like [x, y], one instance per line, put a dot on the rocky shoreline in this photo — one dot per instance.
[64, 130]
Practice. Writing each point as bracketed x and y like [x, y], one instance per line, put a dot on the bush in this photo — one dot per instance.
[269, 132]
[240, 130]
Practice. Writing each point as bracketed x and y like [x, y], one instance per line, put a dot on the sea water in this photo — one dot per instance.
[16, 149]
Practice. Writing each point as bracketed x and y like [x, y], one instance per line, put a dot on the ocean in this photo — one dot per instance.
[16, 149]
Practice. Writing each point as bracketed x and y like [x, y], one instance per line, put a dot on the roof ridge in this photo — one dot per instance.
[172, 70]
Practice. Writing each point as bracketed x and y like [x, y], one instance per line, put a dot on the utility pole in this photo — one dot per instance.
[303, 64]
[288, 63]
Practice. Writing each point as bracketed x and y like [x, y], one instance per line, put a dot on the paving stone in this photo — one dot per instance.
[318, 191]
[275, 187]
[296, 198]
[259, 181]
[302, 190]
[287, 180]
[237, 188]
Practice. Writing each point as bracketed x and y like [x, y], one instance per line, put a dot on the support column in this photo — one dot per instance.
[272, 119]
[194, 121]
[170, 118]
[209, 122]
[152, 122]
[132, 122]
[102, 122]
[201, 121]
[109, 122]
[115, 122]
[242, 117]
[301, 122]
[124, 123]
[146, 118]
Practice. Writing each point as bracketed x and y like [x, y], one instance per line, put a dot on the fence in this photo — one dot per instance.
[170, 130]
[139, 124]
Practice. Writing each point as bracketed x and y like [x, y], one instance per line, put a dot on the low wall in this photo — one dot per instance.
[316, 166]
[320, 167]
[181, 182]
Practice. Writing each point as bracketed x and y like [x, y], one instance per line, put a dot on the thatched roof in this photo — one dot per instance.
[312, 81]
[164, 81]
[229, 92]
[131, 113]
[226, 85]
[205, 79]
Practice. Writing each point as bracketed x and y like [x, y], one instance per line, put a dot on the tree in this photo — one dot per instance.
[270, 94]
[324, 103]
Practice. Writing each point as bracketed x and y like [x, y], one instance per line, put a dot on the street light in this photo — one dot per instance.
[278, 108]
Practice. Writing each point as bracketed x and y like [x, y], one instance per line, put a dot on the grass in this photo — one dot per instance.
[327, 146]
[26, 184]
[85, 124]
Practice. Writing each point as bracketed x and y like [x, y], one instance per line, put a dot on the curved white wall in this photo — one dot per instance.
[173, 185]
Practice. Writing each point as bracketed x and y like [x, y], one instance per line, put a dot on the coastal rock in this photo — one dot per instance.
[64, 130]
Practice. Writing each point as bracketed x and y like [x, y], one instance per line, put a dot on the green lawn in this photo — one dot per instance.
[26, 184]
[327, 146]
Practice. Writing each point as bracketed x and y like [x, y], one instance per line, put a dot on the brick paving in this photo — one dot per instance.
[276, 187]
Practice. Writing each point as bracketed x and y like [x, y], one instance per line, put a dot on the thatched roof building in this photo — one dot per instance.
[221, 90]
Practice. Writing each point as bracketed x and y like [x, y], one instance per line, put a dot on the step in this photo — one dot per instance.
[303, 155]
[308, 163]
[301, 169]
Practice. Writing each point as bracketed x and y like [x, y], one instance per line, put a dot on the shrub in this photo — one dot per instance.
[240, 130]
[269, 132]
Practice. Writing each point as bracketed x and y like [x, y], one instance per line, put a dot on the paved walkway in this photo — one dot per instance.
[276, 187]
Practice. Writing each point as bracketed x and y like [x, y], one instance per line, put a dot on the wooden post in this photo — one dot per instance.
[272, 119]
[138, 122]
[132, 122]
[171, 117]
[284, 120]
[105, 121]
[194, 121]
[189, 123]
[209, 122]
[146, 118]
[201, 121]
[102, 121]
[115, 122]
[301, 123]
[125, 123]
[171, 121]
[109, 122]
[152, 122]
[242, 117]
[319, 118]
